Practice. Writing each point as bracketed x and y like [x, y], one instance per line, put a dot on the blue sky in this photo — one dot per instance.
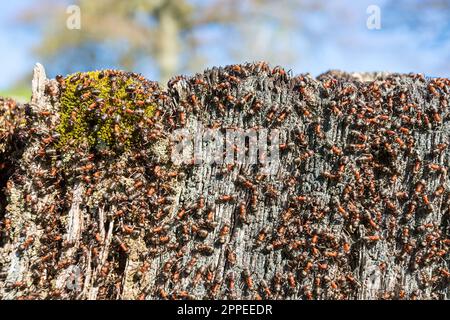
[16, 43]
[337, 38]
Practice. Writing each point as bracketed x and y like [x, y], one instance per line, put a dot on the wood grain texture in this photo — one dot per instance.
[358, 207]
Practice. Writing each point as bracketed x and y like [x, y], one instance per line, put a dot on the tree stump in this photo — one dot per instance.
[357, 207]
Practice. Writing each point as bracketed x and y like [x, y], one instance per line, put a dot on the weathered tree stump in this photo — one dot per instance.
[356, 208]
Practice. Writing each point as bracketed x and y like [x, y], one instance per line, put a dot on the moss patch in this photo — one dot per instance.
[104, 109]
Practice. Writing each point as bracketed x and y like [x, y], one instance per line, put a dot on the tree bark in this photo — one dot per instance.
[357, 208]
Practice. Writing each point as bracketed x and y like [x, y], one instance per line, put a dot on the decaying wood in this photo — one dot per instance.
[357, 209]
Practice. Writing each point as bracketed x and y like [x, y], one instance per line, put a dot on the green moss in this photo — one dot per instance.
[102, 109]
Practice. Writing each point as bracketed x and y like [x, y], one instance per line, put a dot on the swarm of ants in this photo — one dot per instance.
[13, 137]
[358, 208]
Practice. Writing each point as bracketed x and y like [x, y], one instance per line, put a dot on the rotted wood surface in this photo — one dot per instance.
[357, 209]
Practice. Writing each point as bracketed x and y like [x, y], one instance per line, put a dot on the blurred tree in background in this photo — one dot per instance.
[168, 33]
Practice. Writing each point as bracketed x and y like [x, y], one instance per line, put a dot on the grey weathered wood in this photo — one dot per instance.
[308, 102]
